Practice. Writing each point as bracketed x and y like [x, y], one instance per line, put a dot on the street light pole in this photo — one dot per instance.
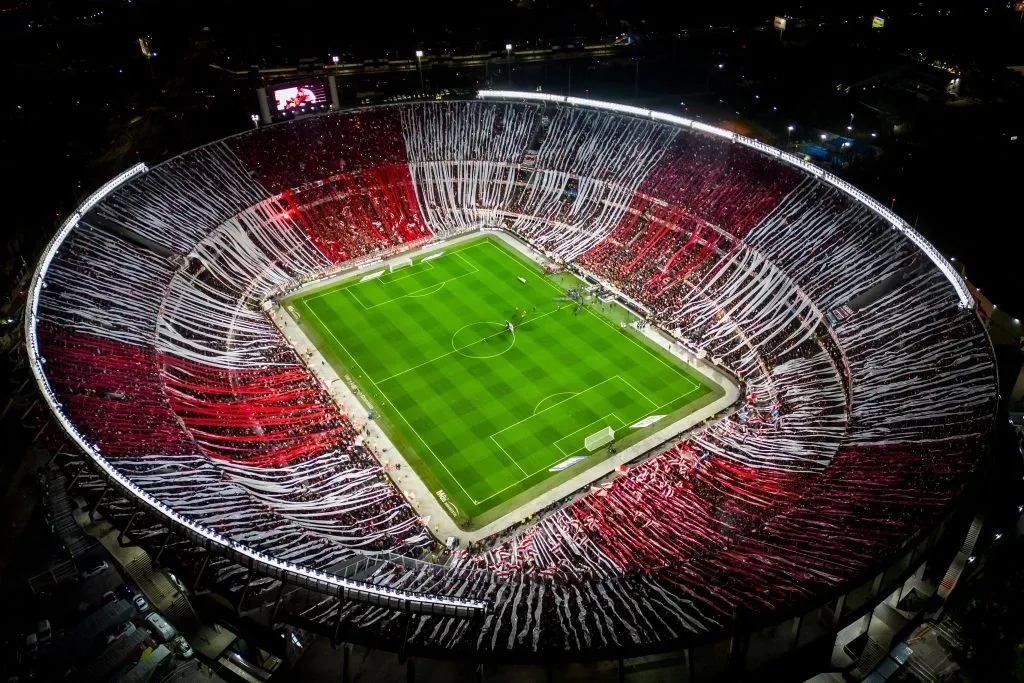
[789, 134]
[636, 77]
[419, 68]
[508, 62]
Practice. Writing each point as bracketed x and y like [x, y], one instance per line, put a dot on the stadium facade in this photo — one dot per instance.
[869, 382]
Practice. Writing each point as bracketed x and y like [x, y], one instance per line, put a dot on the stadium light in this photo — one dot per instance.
[335, 58]
[508, 62]
[419, 68]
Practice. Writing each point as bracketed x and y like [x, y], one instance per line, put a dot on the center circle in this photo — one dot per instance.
[482, 340]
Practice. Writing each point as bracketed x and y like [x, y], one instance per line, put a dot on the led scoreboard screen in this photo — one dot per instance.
[299, 97]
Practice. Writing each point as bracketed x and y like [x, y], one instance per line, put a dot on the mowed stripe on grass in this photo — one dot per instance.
[488, 411]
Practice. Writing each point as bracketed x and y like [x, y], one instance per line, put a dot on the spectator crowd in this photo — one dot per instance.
[854, 432]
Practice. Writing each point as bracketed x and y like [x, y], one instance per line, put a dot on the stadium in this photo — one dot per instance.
[518, 378]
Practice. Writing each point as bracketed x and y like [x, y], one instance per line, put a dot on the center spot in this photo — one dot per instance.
[482, 340]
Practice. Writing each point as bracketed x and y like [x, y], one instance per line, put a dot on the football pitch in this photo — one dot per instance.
[483, 413]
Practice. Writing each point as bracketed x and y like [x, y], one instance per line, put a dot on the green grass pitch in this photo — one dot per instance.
[481, 413]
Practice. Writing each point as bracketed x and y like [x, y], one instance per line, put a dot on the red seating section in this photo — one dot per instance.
[354, 214]
[269, 416]
[289, 155]
[112, 392]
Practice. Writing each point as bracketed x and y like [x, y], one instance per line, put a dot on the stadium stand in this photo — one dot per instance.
[855, 433]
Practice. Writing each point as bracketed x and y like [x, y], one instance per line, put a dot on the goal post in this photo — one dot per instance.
[397, 263]
[598, 439]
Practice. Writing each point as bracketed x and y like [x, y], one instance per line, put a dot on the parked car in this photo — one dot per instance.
[141, 604]
[182, 647]
[162, 630]
[124, 591]
[95, 570]
[108, 598]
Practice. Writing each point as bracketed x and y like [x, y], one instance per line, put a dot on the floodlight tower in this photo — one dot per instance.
[419, 68]
[508, 62]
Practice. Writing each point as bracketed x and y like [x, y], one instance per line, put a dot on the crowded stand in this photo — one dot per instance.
[465, 159]
[178, 203]
[290, 155]
[852, 434]
[587, 168]
[113, 391]
[354, 214]
[833, 248]
[719, 182]
[702, 193]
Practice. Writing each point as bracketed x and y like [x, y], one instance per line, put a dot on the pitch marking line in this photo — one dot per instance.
[422, 292]
[352, 292]
[533, 474]
[416, 293]
[675, 368]
[445, 355]
[462, 350]
[349, 284]
[668, 403]
[412, 272]
[385, 397]
[514, 461]
[560, 393]
[553, 405]
[642, 394]
[471, 265]
[557, 288]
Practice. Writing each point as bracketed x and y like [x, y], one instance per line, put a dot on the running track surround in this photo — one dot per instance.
[859, 433]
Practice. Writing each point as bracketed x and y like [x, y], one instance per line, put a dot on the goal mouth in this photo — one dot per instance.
[398, 263]
[599, 438]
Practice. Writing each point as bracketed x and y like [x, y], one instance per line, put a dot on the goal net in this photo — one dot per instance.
[598, 439]
[399, 263]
